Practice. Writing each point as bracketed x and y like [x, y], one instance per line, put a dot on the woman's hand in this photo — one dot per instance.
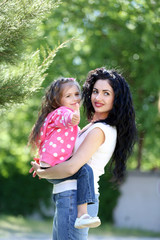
[36, 170]
[32, 170]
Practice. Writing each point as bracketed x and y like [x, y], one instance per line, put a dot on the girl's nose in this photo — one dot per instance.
[75, 99]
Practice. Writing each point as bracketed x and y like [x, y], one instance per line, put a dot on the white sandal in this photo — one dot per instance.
[87, 221]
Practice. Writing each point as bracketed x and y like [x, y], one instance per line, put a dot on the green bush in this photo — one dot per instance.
[109, 194]
[22, 195]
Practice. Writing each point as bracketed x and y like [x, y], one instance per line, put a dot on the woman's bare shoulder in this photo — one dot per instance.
[95, 134]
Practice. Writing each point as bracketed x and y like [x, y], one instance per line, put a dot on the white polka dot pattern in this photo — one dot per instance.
[57, 136]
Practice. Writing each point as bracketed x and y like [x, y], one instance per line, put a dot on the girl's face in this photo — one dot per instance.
[102, 98]
[70, 96]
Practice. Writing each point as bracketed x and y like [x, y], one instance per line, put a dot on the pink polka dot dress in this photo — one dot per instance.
[57, 136]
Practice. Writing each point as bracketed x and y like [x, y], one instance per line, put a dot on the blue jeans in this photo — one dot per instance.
[65, 216]
[85, 184]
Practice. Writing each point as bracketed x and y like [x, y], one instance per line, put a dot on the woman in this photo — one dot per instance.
[110, 134]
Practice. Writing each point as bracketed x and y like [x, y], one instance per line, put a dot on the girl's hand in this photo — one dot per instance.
[76, 115]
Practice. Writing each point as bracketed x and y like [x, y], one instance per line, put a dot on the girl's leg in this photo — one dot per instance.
[82, 209]
[85, 196]
[85, 185]
[93, 208]
[65, 216]
[91, 220]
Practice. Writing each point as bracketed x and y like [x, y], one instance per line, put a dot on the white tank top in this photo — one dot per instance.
[99, 159]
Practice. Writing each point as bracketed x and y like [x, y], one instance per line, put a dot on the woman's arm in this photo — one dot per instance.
[89, 146]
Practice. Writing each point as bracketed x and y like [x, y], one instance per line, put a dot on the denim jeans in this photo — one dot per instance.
[85, 184]
[65, 216]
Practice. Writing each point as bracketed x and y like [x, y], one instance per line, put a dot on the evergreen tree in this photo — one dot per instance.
[22, 71]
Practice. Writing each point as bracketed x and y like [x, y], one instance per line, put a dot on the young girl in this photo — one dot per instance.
[54, 135]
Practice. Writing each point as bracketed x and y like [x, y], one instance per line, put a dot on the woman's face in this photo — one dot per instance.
[102, 98]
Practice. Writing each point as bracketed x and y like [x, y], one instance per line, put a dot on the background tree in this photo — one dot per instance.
[121, 34]
[22, 71]
[114, 33]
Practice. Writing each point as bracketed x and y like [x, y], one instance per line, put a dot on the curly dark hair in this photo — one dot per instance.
[50, 102]
[122, 116]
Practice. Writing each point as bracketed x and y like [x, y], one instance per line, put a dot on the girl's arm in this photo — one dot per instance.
[89, 146]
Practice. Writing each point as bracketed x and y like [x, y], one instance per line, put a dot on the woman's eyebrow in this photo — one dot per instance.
[104, 90]
[107, 90]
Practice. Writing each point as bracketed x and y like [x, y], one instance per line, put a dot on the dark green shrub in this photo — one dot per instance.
[109, 194]
[22, 194]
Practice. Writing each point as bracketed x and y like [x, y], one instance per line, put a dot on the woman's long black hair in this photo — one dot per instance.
[122, 115]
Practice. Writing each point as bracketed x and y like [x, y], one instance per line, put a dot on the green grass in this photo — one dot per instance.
[111, 230]
[12, 224]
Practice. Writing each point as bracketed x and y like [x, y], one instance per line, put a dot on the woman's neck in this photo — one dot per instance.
[99, 116]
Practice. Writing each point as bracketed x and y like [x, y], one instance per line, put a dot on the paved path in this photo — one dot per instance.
[20, 236]
[119, 238]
